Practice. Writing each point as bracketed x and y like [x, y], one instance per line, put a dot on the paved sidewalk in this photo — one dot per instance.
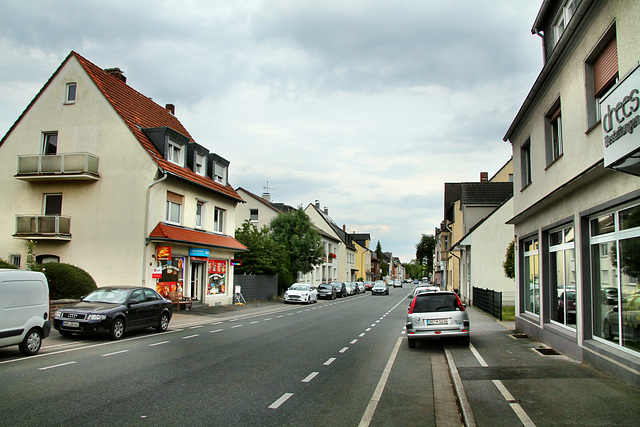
[224, 311]
[507, 382]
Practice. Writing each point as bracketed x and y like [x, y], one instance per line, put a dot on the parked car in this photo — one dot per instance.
[571, 307]
[361, 288]
[301, 292]
[24, 310]
[341, 289]
[368, 285]
[609, 296]
[380, 287]
[115, 310]
[435, 315]
[423, 288]
[630, 320]
[326, 290]
[350, 288]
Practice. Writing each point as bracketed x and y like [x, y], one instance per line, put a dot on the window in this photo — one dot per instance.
[15, 259]
[200, 165]
[220, 173]
[50, 143]
[199, 214]
[562, 20]
[554, 134]
[175, 153]
[174, 207]
[70, 93]
[601, 69]
[43, 259]
[253, 215]
[615, 266]
[53, 204]
[525, 163]
[562, 276]
[531, 277]
[218, 220]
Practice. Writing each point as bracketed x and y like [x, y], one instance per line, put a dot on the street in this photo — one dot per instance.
[341, 362]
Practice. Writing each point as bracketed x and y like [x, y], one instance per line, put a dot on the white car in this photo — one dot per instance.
[301, 292]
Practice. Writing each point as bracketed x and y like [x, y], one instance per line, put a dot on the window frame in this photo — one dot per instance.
[553, 133]
[174, 147]
[534, 253]
[566, 247]
[219, 215]
[48, 204]
[593, 97]
[173, 200]
[525, 164]
[562, 19]
[252, 217]
[67, 93]
[200, 216]
[200, 164]
[46, 144]
[219, 173]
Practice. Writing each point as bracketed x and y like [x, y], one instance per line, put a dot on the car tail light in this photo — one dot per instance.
[412, 306]
[460, 305]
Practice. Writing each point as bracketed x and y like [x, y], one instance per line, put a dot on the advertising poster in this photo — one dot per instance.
[217, 277]
[171, 277]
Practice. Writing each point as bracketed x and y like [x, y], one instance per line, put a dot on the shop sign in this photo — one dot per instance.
[157, 273]
[199, 258]
[163, 253]
[620, 112]
[199, 252]
[235, 262]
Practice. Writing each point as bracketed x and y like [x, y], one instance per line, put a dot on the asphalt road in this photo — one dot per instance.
[338, 363]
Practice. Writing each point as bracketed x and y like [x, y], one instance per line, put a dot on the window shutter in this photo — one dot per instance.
[555, 115]
[605, 66]
[173, 197]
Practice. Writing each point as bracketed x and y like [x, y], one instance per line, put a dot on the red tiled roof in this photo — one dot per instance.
[139, 111]
[166, 232]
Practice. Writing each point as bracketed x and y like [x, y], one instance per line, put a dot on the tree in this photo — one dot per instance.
[509, 261]
[379, 253]
[300, 240]
[424, 251]
[265, 255]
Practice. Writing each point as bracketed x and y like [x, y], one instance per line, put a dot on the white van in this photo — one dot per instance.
[24, 309]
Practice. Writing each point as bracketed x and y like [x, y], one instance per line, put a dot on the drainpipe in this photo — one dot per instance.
[146, 226]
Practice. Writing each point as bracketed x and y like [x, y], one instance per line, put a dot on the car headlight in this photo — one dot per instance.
[286, 294]
[58, 314]
[96, 317]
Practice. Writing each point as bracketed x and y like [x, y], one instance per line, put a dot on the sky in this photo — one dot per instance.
[368, 107]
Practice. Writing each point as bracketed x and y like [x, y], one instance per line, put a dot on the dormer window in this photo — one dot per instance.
[70, 93]
[200, 164]
[563, 18]
[175, 153]
[220, 173]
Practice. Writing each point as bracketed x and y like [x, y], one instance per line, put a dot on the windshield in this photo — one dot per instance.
[299, 288]
[114, 296]
[324, 287]
[435, 302]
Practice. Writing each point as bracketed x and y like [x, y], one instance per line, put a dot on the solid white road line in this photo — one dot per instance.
[283, 398]
[56, 366]
[373, 403]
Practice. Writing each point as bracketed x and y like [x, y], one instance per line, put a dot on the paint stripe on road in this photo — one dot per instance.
[361, 335]
[343, 349]
[283, 398]
[353, 341]
[217, 330]
[158, 343]
[190, 336]
[56, 366]
[309, 377]
[329, 361]
[114, 353]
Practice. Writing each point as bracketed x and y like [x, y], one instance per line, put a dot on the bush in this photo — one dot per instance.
[5, 264]
[67, 281]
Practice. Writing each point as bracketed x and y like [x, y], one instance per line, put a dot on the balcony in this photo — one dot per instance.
[47, 227]
[58, 167]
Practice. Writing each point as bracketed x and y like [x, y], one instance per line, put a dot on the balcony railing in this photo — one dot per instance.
[55, 227]
[66, 166]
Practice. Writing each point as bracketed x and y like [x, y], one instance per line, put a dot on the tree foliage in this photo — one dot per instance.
[509, 265]
[424, 251]
[301, 241]
[265, 255]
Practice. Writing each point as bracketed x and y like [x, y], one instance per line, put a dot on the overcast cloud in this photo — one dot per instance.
[367, 106]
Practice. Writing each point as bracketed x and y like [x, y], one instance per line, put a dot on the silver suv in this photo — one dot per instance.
[434, 315]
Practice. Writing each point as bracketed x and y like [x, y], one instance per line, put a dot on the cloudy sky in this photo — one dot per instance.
[367, 106]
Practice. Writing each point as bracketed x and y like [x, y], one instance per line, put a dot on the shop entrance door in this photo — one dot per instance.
[197, 280]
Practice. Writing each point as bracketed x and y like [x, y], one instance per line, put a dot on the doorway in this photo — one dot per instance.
[197, 280]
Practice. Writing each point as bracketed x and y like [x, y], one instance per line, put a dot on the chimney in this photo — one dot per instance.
[317, 204]
[484, 176]
[117, 73]
[266, 196]
[344, 228]
[326, 210]
[171, 108]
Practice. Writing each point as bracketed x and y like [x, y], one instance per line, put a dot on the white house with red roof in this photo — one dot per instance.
[100, 176]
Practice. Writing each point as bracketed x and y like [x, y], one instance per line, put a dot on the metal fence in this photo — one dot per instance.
[256, 288]
[488, 301]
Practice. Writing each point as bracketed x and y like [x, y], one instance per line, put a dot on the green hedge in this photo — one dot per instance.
[5, 264]
[67, 281]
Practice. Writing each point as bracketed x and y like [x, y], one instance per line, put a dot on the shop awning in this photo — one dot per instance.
[188, 236]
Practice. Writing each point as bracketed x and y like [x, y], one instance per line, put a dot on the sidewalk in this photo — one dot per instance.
[507, 382]
[223, 311]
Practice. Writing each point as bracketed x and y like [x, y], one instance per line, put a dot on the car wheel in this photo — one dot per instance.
[117, 329]
[309, 301]
[411, 343]
[163, 325]
[31, 343]
[65, 333]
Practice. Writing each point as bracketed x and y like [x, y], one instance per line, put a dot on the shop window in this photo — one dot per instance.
[615, 258]
[217, 283]
[172, 272]
[562, 276]
[531, 277]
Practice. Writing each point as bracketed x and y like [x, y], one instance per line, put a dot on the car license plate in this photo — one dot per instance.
[71, 324]
[437, 321]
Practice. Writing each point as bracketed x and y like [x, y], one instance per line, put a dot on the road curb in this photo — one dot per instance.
[468, 419]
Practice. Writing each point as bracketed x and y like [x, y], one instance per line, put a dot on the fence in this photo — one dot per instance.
[488, 301]
[257, 288]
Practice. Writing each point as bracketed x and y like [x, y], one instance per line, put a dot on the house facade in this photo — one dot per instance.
[363, 256]
[258, 210]
[112, 182]
[576, 185]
